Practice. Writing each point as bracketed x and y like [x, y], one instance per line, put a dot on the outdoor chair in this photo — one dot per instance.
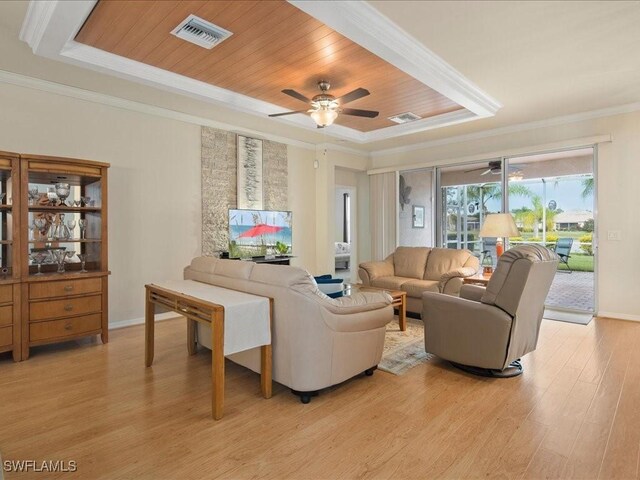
[563, 250]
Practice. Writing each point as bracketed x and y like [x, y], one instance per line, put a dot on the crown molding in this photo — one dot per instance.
[50, 27]
[117, 102]
[35, 22]
[520, 127]
[366, 26]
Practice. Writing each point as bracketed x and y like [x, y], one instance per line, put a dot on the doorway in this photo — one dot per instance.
[345, 232]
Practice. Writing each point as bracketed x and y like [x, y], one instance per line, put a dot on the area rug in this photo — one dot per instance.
[403, 350]
[569, 317]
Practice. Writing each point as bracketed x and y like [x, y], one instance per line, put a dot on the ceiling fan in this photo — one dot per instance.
[325, 107]
[495, 168]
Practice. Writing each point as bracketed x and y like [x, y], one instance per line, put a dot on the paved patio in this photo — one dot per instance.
[572, 290]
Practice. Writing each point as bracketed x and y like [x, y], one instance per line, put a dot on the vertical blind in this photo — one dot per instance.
[382, 200]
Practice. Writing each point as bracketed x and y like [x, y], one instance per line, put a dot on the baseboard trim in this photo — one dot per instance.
[620, 316]
[140, 321]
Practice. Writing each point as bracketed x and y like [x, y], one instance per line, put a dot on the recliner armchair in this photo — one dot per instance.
[486, 331]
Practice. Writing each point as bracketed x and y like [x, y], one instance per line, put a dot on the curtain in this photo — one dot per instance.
[382, 204]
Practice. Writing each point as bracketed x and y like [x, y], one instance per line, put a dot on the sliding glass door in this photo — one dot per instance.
[551, 197]
[466, 195]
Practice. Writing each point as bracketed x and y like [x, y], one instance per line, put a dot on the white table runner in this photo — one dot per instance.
[246, 316]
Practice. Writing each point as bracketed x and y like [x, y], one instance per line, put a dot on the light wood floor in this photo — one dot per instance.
[575, 413]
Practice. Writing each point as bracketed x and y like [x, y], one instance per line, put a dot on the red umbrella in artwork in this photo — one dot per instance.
[260, 229]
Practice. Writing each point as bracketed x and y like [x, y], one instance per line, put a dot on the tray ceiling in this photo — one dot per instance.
[274, 46]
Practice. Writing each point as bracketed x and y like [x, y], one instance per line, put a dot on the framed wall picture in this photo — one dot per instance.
[249, 173]
[417, 212]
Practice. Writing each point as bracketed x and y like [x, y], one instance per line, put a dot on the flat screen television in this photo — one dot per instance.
[254, 233]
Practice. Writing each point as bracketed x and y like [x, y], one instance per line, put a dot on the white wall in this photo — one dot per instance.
[154, 183]
[617, 190]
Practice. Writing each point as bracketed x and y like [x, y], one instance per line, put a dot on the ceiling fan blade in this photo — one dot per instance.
[475, 170]
[352, 96]
[287, 113]
[296, 95]
[359, 113]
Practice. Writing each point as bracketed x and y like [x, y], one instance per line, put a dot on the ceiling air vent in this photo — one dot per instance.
[196, 30]
[405, 117]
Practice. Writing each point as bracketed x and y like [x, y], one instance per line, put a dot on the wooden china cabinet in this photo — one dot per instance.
[59, 305]
[10, 323]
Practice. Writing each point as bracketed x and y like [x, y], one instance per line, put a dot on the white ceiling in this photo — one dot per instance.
[538, 59]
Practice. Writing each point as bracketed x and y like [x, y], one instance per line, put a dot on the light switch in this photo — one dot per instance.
[615, 235]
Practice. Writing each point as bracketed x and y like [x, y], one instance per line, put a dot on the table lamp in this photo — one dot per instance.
[499, 225]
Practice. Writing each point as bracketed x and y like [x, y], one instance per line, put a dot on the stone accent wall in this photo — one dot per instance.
[219, 183]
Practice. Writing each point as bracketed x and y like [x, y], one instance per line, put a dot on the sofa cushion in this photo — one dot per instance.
[443, 260]
[282, 275]
[234, 268]
[410, 261]
[390, 283]
[415, 288]
[204, 264]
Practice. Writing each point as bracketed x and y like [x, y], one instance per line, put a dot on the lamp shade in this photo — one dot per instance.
[499, 225]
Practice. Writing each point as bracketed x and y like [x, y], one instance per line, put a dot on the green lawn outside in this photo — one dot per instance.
[579, 263]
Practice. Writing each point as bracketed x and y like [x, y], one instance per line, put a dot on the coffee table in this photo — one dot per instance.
[399, 299]
[477, 279]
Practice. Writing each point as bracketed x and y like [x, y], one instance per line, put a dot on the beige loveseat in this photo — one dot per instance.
[317, 341]
[416, 270]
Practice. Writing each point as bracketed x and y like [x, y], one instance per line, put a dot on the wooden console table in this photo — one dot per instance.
[239, 321]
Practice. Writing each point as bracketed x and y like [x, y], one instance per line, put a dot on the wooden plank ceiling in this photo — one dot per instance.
[274, 46]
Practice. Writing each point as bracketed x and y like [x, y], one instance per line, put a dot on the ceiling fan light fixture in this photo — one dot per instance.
[516, 176]
[324, 116]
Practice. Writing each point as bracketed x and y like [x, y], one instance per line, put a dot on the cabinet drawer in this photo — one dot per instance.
[6, 293]
[6, 336]
[64, 328]
[64, 288]
[6, 315]
[64, 308]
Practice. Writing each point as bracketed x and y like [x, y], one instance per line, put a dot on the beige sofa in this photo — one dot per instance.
[416, 270]
[317, 341]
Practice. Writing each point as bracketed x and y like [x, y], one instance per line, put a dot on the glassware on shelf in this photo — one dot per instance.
[71, 225]
[2, 195]
[83, 260]
[41, 225]
[63, 231]
[77, 203]
[33, 228]
[62, 191]
[34, 194]
[82, 223]
[39, 258]
[52, 196]
[86, 201]
[60, 257]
